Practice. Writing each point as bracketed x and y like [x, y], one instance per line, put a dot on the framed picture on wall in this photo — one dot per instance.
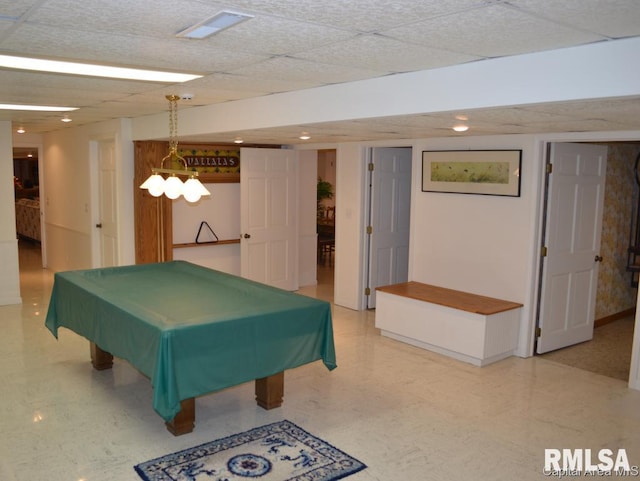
[487, 172]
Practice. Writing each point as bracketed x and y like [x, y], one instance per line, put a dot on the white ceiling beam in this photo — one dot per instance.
[602, 70]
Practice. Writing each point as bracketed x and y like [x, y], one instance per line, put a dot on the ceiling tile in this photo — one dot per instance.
[613, 18]
[145, 18]
[515, 115]
[10, 9]
[36, 80]
[375, 52]
[623, 110]
[514, 32]
[247, 83]
[359, 15]
[286, 68]
[277, 36]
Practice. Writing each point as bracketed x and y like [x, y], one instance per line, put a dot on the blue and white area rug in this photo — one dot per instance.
[280, 451]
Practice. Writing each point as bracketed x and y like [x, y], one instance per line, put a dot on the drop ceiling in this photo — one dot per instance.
[298, 44]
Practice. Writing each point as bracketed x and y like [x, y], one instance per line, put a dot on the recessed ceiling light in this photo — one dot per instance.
[304, 136]
[36, 108]
[215, 24]
[92, 70]
[238, 140]
[66, 119]
[21, 130]
[460, 128]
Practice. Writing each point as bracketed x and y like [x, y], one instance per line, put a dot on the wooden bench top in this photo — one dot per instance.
[450, 298]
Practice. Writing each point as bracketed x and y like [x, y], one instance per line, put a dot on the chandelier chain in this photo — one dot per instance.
[173, 122]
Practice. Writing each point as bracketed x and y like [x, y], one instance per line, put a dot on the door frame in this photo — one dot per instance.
[42, 194]
[589, 137]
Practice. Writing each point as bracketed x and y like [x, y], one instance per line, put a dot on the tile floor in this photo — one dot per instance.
[407, 413]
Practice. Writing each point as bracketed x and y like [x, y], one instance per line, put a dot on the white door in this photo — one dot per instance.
[389, 219]
[268, 217]
[573, 225]
[108, 210]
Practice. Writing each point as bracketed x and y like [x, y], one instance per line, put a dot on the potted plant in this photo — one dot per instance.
[324, 191]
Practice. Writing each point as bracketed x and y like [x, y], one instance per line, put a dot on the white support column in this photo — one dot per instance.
[10, 274]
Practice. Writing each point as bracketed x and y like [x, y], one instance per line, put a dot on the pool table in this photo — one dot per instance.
[192, 330]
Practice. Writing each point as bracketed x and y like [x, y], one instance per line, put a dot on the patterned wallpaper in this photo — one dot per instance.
[615, 293]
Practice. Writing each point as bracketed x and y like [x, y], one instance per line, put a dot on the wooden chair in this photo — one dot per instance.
[330, 214]
[326, 242]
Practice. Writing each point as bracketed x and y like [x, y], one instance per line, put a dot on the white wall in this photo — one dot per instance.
[481, 235]
[9, 275]
[68, 200]
[222, 212]
[479, 243]
[223, 257]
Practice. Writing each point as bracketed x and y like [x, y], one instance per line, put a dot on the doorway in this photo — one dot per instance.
[27, 193]
[609, 352]
[326, 214]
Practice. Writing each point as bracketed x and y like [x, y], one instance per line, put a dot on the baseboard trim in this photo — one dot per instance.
[614, 317]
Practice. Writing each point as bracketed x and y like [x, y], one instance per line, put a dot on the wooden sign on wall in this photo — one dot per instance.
[212, 164]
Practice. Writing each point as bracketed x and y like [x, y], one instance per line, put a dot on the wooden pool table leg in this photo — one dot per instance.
[270, 391]
[185, 420]
[182, 423]
[100, 359]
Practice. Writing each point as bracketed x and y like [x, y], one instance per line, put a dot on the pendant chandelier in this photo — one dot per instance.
[173, 187]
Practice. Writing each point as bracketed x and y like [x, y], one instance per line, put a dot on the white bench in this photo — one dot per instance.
[468, 327]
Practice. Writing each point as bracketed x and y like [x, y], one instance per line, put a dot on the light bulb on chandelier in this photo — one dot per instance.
[173, 187]
[154, 184]
[193, 190]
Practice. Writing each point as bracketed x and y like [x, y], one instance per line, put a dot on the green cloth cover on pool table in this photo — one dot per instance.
[190, 329]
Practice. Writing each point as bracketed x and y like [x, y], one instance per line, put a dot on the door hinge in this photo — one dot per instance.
[538, 331]
[543, 251]
[549, 168]
[367, 291]
[369, 229]
[370, 166]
